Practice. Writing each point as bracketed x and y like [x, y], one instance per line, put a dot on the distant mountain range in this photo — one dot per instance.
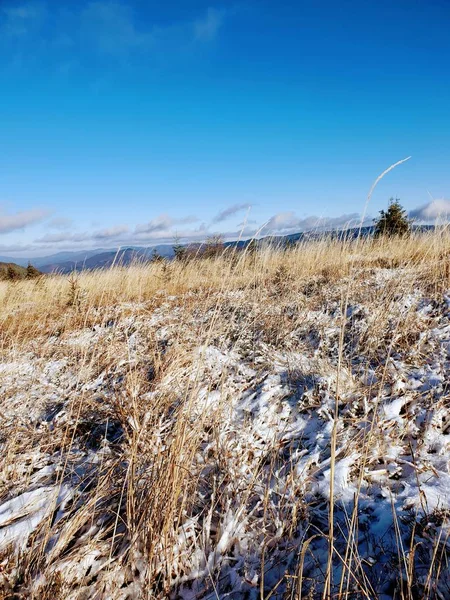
[66, 262]
[101, 259]
[98, 258]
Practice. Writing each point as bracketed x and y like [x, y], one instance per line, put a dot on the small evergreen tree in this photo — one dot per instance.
[32, 272]
[12, 274]
[156, 257]
[179, 250]
[393, 221]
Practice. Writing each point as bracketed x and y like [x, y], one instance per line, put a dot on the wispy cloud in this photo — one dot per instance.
[21, 220]
[163, 223]
[55, 238]
[164, 228]
[109, 28]
[60, 223]
[112, 26]
[19, 248]
[229, 212]
[207, 27]
[161, 229]
[18, 20]
[109, 234]
[434, 210]
[288, 222]
[247, 222]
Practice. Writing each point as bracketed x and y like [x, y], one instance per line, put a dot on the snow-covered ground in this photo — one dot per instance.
[239, 394]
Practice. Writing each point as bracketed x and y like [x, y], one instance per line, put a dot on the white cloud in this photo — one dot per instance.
[434, 210]
[112, 232]
[288, 222]
[163, 223]
[7, 248]
[229, 212]
[109, 234]
[57, 238]
[163, 229]
[21, 220]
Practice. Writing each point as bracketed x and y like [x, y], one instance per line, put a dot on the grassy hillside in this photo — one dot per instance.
[7, 268]
[264, 425]
[16, 272]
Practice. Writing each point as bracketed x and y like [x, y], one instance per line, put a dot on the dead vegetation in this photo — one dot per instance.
[167, 429]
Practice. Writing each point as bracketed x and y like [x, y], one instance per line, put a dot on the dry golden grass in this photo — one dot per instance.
[152, 473]
[31, 307]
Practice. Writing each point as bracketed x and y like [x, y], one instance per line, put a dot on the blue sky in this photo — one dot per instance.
[127, 121]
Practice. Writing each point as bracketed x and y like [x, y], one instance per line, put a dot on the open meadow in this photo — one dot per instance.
[177, 429]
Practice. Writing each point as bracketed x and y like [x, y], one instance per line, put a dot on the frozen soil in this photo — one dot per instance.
[180, 448]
